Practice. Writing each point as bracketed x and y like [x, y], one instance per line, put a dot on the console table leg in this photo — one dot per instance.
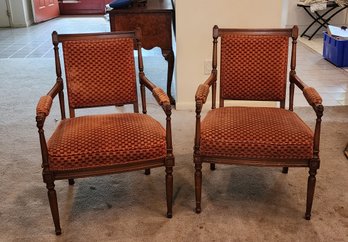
[169, 57]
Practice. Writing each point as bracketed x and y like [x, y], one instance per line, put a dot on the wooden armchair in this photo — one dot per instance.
[100, 71]
[254, 67]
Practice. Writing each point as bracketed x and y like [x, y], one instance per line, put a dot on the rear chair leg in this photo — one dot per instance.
[212, 166]
[52, 198]
[169, 190]
[71, 182]
[285, 170]
[147, 171]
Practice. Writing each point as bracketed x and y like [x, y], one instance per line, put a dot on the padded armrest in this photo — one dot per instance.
[44, 105]
[312, 96]
[202, 92]
[160, 96]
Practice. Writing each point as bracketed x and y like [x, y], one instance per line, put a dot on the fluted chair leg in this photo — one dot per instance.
[198, 186]
[71, 182]
[52, 198]
[169, 190]
[285, 170]
[147, 171]
[212, 166]
[310, 191]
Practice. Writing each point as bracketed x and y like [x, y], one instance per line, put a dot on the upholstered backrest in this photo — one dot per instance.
[253, 66]
[100, 71]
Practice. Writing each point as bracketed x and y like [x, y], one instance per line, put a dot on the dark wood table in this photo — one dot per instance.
[155, 20]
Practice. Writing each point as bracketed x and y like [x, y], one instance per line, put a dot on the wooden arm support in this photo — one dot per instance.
[202, 93]
[160, 96]
[311, 95]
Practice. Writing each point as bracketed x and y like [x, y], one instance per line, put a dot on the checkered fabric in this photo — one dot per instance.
[44, 105]
[312, 95]
[100, 72]
[254, 132]
[253, 67]
[105, 140]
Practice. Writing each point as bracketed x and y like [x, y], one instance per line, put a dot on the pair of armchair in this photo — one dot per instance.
[100, 71]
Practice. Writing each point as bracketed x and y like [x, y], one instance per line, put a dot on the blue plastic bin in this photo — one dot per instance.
[336, 51]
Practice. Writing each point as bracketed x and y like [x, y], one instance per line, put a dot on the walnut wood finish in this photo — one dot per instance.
[49, 175]
[155, 21]
[313, 163]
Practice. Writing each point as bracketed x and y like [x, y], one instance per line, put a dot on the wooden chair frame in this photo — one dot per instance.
[50, 176]
[318, 108]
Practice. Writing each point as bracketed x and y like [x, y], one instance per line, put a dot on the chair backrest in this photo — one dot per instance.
[253, 63]
[99, 68]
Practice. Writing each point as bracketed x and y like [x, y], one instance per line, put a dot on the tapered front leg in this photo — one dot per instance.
[169, 190]
[212, 166]
[52, 198]
[310, 188]
[198, 184]
[147, 171]
[285, 170]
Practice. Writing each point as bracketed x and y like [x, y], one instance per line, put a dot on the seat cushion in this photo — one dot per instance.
[254, 132]
[104, 140]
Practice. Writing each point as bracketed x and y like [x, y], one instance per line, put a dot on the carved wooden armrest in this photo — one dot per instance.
[44, 106]
[202, 92]
[160, 96]
[312, 96]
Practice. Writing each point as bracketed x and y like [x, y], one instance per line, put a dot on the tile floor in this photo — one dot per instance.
[35, 42]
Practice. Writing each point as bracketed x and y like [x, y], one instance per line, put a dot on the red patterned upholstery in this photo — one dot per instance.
[312, 96]
[160, 96]
[104, 140]
[258, 72]
[44, 105]
[202, 92]
[245, 132]
[91, 85]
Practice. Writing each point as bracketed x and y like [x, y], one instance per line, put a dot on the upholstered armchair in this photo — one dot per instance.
[253, 67]
[100, 71]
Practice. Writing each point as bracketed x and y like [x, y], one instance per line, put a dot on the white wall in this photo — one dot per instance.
[4, 20]
[194, 22]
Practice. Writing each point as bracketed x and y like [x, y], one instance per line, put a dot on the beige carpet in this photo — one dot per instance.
[239, 203]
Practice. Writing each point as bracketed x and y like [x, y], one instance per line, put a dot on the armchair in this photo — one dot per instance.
[254, 68]
[100, 71]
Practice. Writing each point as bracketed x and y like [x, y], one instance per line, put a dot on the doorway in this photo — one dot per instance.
[4, 14]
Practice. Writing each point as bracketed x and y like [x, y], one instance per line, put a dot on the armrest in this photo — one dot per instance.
[202, 93]
[160, 96]
[312, 96]
[44, 106]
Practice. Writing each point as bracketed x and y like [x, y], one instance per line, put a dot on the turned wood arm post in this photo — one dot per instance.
[199, 106]
[319, 112]
[168, 110]
[40, 120]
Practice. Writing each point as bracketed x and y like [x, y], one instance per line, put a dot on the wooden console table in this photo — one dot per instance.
[155, 21]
